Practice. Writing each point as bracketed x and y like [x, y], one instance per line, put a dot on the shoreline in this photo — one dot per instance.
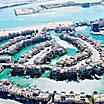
[50, 25]
[45, 83]
[47, 80]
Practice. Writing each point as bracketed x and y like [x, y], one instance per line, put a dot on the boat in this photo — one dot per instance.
[27, 77]
[95, 33]
[97, 76]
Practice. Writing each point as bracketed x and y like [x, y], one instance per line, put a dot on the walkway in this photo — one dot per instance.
[39, 55]
[95, 54]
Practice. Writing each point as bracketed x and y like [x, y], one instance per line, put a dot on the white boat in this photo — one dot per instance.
[97, 77]
[95, 33]
[98, 33]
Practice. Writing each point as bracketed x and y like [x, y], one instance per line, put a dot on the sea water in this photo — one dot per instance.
[9, 20]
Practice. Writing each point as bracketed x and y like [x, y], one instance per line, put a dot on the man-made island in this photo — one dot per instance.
[87, 63]
[6, 4]
[42, 8]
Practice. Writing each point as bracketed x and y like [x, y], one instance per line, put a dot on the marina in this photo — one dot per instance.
[79, 64]
[58, 59]
[20, 38]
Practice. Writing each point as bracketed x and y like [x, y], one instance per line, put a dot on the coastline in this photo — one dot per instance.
[34, 27]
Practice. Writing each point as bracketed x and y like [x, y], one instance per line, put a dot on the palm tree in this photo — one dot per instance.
[71, 92]
[95, 92]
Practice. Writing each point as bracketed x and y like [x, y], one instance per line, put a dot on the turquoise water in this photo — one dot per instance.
[86, 30]
[46, 74]
[21, 80]
[71, 51]
[9, 20]
[4, 74]
[22, 51]
[1, 43]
